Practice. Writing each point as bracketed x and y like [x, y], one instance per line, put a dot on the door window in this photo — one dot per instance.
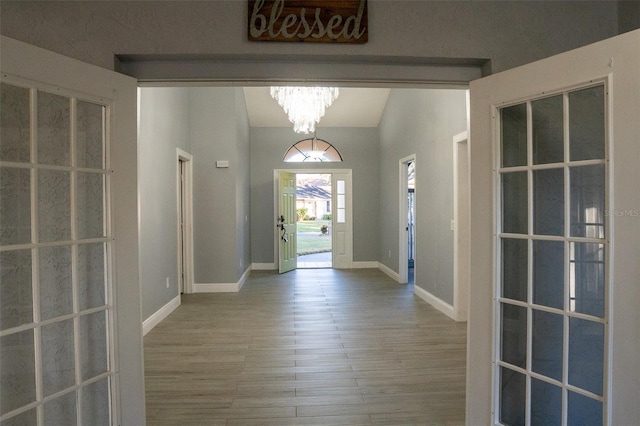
[553, 260]
[56, 352]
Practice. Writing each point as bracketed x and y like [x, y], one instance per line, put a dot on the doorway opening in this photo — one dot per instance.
[314, 220]
[407, 225]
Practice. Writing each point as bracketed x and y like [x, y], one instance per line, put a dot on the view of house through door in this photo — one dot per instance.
[314, 224]
[314, 220]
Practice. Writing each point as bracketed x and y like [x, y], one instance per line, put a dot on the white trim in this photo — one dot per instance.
[158, 316]
[365, 264]
[244, 277]
[390, 272]
[222, 287]
[215, 287]
[460, 241]
[187, 219]
[436, 302]
[264, 266]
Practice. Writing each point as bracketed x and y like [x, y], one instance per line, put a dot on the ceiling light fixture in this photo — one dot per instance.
[304, 106]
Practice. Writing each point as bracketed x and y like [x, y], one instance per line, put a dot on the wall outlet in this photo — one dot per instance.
[168, 282]
[389, 254]
[453, 225]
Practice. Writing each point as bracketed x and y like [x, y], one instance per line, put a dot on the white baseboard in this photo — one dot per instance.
[264, 266]
[222, 287]
[244, 277]
[390, 272]
[157, 317]
[436, 302]
[364, 265]
[215, 288]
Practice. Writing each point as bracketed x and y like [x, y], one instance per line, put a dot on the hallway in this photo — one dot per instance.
[312, 347]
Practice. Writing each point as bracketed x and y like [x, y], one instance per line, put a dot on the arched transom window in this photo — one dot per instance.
[312, 150]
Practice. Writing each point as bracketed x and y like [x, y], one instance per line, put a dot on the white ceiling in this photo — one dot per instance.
[354, 107]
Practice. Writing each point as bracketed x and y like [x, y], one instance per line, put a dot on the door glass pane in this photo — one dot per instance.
[58, 356]
[586, 280]
[512, 397]
[91, 275]
[15, 206]
[54, 198]
[514, 135]
[90, 205]
[587, 201]
[15, 129]
[25, 419]
[341, 186]
[514, 202]
[55, 281]
[546, 355]
[17, 367]
[514, 269]
[548, 202]
[61, 411]
[586, 124]
[548, 136]
[341, 201]
[586, 354]
[16, 300]
[514, 335]
[95, 404]
[548, 273]
[584, 411]
[90, 135]
[546, 403]
[342, 216]
[54, 129]
[93, 344]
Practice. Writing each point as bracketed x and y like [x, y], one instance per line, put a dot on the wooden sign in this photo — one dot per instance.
[316, 21]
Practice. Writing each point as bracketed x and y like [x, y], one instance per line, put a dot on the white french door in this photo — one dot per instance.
[554, 158]
[70, 320]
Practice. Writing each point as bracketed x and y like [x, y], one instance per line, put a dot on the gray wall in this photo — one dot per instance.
[359, 149]
[163, 127]
[211, 124]
[421, 122]
[508, 33]
[219, 131]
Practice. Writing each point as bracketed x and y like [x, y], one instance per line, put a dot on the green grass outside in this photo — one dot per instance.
[315, 241]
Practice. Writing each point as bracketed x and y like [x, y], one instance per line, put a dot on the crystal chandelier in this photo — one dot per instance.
[304, 106]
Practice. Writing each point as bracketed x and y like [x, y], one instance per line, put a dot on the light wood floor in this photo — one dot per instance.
[311, 347]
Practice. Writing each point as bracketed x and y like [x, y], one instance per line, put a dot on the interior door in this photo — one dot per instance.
[70, 322]
[287, 222]
[553, 319]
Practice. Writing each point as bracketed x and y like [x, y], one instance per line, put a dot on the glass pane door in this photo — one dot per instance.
[56, 352]
[552, 289]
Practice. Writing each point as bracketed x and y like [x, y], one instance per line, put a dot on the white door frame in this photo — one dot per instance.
[403, 244]
[185, 207]
[276, 213]
[460, 225]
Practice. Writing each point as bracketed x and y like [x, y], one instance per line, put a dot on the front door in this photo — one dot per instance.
[287, 222]
[70, 321]
[553, 318]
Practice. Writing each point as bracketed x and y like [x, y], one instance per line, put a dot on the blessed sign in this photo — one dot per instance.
[319, 21]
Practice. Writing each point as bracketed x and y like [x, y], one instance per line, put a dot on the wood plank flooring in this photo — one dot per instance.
[311, 347]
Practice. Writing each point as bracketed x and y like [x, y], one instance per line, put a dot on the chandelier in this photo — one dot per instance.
[304, 106]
